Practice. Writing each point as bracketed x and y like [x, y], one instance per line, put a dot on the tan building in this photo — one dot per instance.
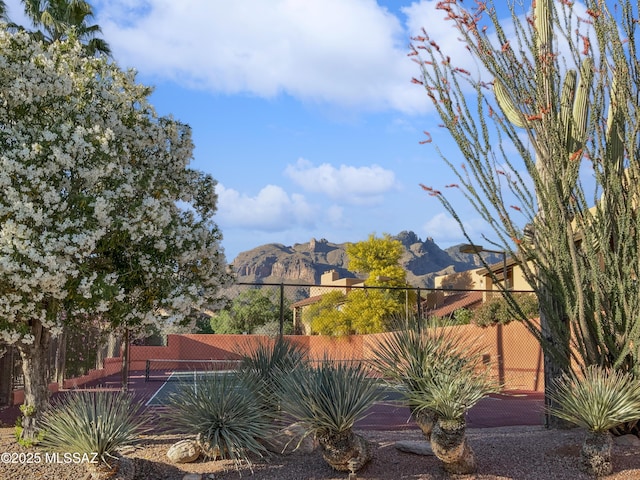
[329, 281]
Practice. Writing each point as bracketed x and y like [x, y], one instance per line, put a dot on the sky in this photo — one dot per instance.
[302, 110]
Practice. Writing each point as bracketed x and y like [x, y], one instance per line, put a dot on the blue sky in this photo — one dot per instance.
[302, 110]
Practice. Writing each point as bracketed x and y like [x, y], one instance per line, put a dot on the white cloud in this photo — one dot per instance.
[445, 230]
[272, 209]
[355, 185]
[350, 53]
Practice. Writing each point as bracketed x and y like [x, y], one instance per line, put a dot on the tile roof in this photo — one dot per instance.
[456, 301]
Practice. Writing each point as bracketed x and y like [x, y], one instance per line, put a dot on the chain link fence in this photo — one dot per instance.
[249, 310]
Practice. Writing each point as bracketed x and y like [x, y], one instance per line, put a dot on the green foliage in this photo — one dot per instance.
[438, 368]
[263, 365]
[330, 398]
[498, 310]
[378, 257]
[325, 316]
[26, 442]
[226, 413]
[61, 19]
[369, 310]
[462, 316]
[598, 400]
[249, 311]
[452, 389]
[92, 422]
[572, 233]
[203, 324]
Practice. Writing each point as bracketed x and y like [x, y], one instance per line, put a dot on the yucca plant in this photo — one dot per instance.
[94, 422]
[450, 392]
[327, 400]
[412, 355]
[264, 364]
[225, 413]
[598, 400]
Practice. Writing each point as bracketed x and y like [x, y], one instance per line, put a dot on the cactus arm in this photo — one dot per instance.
[544, 50]
[615, 129]
[581, 104]
[506, 104]
[566, 107]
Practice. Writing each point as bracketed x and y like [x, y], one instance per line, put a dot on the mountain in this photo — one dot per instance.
[306, 262]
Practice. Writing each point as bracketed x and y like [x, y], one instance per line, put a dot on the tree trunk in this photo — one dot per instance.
[125, 362]
[61, 357]
[556, 361]
[345, 452]
[449, 444]
[595, 455]
[112, 345]
[35, 369]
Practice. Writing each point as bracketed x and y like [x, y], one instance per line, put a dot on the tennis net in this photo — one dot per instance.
[167, 370]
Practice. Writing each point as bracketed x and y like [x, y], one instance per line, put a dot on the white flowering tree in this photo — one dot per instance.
[99, 212]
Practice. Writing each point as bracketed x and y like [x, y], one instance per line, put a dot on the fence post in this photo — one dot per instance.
[125, 361]
[281, 309]
[419, 309]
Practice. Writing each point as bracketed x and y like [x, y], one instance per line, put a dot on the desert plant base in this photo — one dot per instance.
[346, 452]
[595, 455]
[120, 468]
[425, 419]
[449, 444]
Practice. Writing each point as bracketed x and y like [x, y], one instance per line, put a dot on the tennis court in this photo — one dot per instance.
[178, 380]
[177, 374]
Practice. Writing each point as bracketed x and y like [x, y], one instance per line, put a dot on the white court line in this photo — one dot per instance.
[157, 392]
[195, 383]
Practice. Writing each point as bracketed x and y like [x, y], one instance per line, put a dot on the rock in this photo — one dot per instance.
[192, 476]
[184, 451]
[415, 447]
[289, 439]
[627, 440]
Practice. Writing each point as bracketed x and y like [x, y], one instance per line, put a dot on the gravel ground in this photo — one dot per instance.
[518, 453]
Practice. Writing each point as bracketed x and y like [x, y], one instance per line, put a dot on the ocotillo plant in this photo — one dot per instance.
[558, 85]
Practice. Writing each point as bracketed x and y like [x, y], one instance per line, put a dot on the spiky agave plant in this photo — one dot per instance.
[264, 364]
[226, 415]
[93, 422]
[327, 400]
[597, 400]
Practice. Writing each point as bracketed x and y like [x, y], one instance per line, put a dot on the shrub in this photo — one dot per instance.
[452, 390]
[328, 398]
[439, 370]
[267, 362]
[225, 412]
[93, 422]
[497, 311]
[599, 400]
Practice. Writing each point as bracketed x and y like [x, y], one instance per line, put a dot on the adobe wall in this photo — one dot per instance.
[520, 366]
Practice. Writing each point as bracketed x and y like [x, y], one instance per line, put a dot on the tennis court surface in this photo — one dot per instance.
[505, 409]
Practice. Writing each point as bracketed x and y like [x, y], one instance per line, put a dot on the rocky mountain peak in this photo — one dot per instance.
[305, 263]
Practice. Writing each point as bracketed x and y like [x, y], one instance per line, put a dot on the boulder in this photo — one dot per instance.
[184, 451]
[627, 440]
[415, 447]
